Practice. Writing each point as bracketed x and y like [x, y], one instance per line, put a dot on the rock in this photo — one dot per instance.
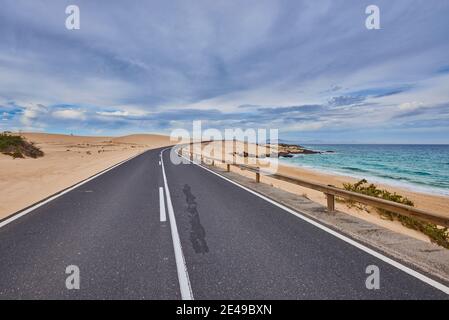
[306, 151]
[285, 155]
[291, 149]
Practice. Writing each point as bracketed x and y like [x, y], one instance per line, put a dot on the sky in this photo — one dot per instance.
[308, 68]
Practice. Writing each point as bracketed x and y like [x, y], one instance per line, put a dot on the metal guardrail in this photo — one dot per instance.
[331, 192]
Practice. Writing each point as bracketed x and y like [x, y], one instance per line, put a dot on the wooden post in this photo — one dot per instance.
[257, 177]
[330, 202]
[213, 162]
[201, 159]
[228, 167]
[191, 156]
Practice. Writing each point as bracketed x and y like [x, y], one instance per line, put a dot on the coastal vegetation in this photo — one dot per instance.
[435, 233]
[17, 147]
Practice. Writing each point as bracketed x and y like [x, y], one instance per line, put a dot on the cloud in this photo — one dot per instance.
[345, 100]
[157, 65]
[69, 114]
[379, 92]
[117, 113]
[419, 112]
[32, 113]
[290, 109]
[410, 105]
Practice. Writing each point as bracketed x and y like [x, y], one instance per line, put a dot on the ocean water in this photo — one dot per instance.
[423, 168]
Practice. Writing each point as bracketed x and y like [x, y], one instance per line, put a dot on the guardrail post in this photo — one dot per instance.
[191, 156]
[213, 162]
[257, 177]
[330, 202]
[201, 159]
[228, 167]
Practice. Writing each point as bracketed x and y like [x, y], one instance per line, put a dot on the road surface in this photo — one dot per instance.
[206, 239]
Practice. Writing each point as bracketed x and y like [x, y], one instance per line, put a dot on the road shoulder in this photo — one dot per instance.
[427, 257]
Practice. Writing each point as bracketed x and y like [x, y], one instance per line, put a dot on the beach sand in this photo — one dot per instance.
[428, 202]
[67, 160]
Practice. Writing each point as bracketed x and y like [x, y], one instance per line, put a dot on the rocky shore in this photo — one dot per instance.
[286, 151]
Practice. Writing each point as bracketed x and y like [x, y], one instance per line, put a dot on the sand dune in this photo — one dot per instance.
[68, 160]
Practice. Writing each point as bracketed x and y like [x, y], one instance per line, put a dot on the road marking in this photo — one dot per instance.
[162, 205]
[360, 246]
[61, 193]
[183, 275]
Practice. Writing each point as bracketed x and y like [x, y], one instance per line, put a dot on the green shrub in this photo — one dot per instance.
[435, 233]
[7, 140]
[17, 147]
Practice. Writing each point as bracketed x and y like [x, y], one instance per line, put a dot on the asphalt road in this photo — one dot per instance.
[232, 244]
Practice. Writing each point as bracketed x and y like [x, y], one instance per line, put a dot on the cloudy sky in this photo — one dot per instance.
[309, 68]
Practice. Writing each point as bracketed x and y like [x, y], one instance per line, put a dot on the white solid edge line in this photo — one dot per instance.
[163, 216]
[40, 204]
[183, 275]
[360, 246]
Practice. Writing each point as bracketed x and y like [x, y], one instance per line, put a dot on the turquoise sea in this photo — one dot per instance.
[423, 168]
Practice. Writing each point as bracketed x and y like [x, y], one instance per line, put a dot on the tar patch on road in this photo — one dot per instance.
[197, 232]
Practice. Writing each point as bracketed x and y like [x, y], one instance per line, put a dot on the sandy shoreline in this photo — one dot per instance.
[67, 160]
[424, 201]
[431, 203]
[376, 180]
